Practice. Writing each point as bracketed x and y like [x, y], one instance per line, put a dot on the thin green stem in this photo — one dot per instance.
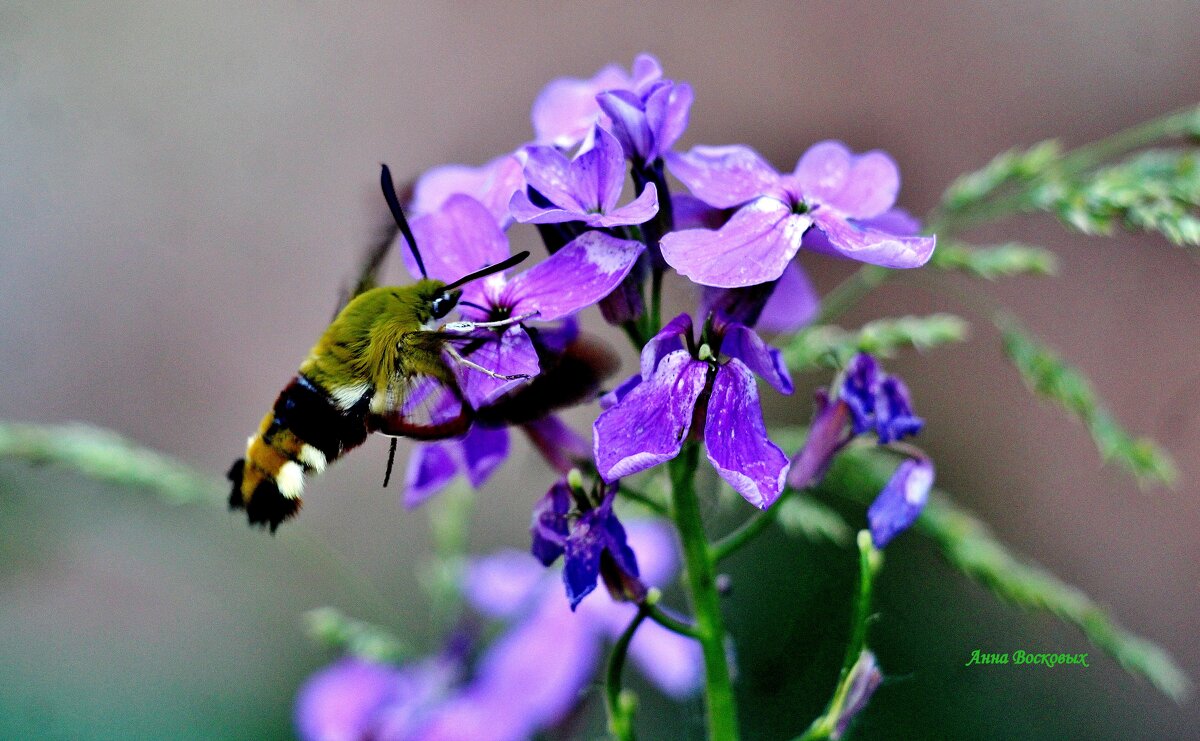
[746, 532]
[620, 705]
[706, 605]
[644, 499]
[670, 622]
[869, 562]
[656, 281]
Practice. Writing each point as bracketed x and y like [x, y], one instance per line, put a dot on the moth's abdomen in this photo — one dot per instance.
[308, 429]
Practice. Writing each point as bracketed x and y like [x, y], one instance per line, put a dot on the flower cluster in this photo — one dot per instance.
[735, 235]
[521, 683]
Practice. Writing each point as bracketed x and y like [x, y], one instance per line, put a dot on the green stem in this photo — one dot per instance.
[722, 710]
[656, 281]
[746, 532]
[869, 562]
[620, 705]
[670, 622]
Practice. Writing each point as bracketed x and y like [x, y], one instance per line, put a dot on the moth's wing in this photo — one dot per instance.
[420, 406]
[369, 268]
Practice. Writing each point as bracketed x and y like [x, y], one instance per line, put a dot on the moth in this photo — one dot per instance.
[378, 368]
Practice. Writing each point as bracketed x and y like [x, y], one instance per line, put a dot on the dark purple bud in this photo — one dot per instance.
[549, 526]
[597, 543]
[901, 501]
[865, 678]
[826, 437]
[859, 389]
[894, 417]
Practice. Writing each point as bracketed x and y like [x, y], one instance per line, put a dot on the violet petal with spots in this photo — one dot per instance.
[736, 437]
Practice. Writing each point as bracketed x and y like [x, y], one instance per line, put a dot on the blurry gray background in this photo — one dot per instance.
[185, 187]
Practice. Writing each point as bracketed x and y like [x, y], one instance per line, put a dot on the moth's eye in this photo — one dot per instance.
[441, 306]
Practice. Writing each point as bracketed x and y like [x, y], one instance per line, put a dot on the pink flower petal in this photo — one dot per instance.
[860, 186]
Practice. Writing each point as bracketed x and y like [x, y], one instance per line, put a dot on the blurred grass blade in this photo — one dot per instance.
[1013, 166]
[333, 629]
[810, 518]
[106, 456]
[1049, 377]
[827, 346]
[859, 474]
[996, 261]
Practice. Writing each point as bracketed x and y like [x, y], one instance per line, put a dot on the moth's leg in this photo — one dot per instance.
[470, 364]
[469, 326]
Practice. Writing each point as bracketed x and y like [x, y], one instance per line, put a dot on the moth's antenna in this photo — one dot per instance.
[387, 476]
[389, 195]
[490, 269]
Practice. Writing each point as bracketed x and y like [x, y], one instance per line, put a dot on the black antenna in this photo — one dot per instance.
[391, 459]
[490, 269]
[389, 195]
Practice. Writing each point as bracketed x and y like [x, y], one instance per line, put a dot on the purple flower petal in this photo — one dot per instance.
[901, 501]
[549, 527]
[649, 424]
[575, 277]
[598, 533]
[673, 336]
[736, 438]
[612, 398]
[667, 110]
[894, 416]
[511, 353]
[492, 185]
[753, 247]
[595, 177]
[501, 584]
[793, 304]
[460, 237]
[859, 389]
[692, 213]
[638, 211]
[744, 344]
[724, 176]
[873, 246]
[566, 109]
[646, 70]
[526, 212]
[430, 467]
[859, 186]
[629, 124]
[561, 446]
[484, 449]
[343, 700]
[548, 171]
[826, 437]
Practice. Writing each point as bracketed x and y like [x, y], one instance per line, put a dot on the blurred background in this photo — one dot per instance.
[184, 188]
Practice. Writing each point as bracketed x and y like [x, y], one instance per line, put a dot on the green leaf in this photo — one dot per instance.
[1050, 377]
[329, 627]
[832, 347]
[802, 515]
[106, 456]
[859, 474]
[997, 261]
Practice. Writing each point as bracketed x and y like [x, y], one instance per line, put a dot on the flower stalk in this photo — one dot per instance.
[702, 589]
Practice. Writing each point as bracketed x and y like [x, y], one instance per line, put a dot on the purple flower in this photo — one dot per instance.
[865, 678]
[590, 543]
[527, 680]
[652, 417]
[648, 123]
[358, 699]
[831, 188]
[585, 189]
[867, 400]
[901, 501]
[784, 305]
[492, 185]
[462, 237]
[566, 111]
[433, 465]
